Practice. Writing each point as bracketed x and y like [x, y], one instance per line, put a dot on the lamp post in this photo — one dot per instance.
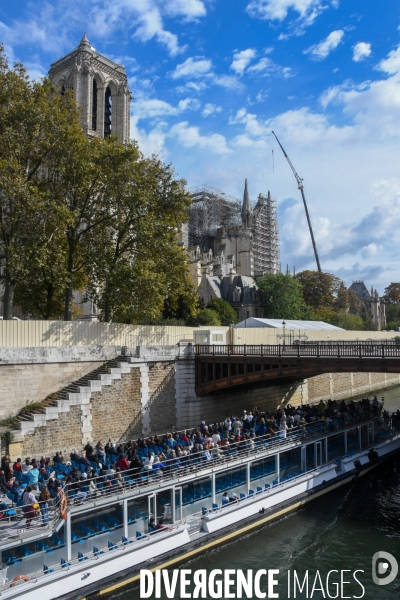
[284, 334]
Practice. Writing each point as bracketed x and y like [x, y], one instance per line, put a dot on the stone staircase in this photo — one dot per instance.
[78, 393]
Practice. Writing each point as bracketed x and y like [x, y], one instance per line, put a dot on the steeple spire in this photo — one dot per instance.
[84, 41]
[246, 208]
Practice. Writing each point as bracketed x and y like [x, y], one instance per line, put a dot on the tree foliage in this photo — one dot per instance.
[320, 289]
[281, 296]
[83, 214]
[392, 293]
[35, 122]
[224, 310]
[205, 317]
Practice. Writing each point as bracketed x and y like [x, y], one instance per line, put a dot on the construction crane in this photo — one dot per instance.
[301, 188]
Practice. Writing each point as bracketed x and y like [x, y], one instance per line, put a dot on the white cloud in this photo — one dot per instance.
[191, 86]
[229, 82]
[188, 104]
[190, 137]
[50, 24]
[190, 9]
[361, 51]
[211, 109]
[374, 106]
[242, 59]
[150, 142]
[195, 66]
[371, 250]
[267, 67]
[326, 46]
[146, 108]
[391, 64]
[277, 10]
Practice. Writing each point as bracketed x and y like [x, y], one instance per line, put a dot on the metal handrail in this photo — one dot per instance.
[135, 482]
[17, 530]
[297, 350]
[36, 575]
[142, 480]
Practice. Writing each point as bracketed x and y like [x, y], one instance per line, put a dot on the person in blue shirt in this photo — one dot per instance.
[34, 476]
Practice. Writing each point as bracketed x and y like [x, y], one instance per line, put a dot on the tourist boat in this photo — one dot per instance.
[101, 544]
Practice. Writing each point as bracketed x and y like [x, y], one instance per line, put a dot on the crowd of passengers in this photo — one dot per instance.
[98, 467]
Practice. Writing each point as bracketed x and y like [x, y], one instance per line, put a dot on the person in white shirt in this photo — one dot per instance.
[216, 438]
[148, 461]
[283, 429]
[26, 466]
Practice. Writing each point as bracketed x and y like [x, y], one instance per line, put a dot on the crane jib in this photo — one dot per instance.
[301, 188]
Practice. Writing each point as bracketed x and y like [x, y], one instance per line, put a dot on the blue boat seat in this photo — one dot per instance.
[64, 563]
[204, 510]
[99, 525]
[111, 521]
[42, 545]
[96, 551]
[259, 489]
[25, 551]
[112, 546]
[81, 558]
[140, 536]
[86, 530]
[46, 570]
[9, 558]
[242, 496]
[267, 485]
[125, 540]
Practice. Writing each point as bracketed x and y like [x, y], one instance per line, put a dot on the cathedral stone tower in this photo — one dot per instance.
[100, 87]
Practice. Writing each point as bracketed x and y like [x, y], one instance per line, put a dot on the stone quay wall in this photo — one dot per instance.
[338, 386]
[28, 375]
[157, 394]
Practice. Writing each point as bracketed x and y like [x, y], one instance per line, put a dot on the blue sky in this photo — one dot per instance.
[212, 78]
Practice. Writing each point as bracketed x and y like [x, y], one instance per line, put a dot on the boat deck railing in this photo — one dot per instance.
[133, 482]
[93, 555]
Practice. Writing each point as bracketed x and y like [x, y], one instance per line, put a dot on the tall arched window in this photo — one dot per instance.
[107, 112]
[63, 90]
[94, 105]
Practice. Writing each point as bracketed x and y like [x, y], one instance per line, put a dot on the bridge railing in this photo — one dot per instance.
[315, 350]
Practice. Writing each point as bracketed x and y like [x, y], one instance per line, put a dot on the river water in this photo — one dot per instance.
[341, 531]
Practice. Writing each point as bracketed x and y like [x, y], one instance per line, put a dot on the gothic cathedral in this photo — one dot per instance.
[100, 87]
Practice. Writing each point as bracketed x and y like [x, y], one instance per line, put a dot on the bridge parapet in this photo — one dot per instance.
[230, 366]
[314, 350]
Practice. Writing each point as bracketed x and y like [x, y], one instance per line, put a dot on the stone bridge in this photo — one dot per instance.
[233, 366]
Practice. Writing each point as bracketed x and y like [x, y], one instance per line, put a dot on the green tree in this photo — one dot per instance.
[35, 124]
[392, 316]
[348, 321]
[392, 292]
[281, 296]
[224, 310]
[320, 289]
[354, 302]
[134, 262]
[368, 324]
[341, 302]
[206, 317]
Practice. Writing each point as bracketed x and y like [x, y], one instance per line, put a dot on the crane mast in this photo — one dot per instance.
[301, 188]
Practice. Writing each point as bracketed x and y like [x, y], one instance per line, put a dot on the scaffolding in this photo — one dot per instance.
[265, 236]
[210, 210]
